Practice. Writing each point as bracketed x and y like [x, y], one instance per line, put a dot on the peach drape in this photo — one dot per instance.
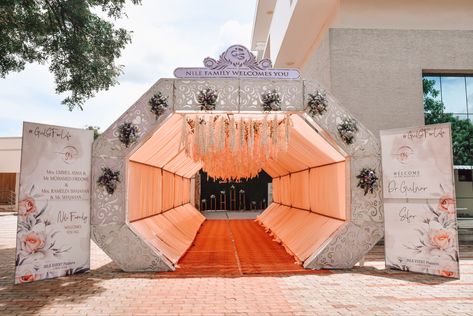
[285, 190]
[301, 232]
[145, 191]
[300, 189]
[171, 232]
[152, 191]
[168, 190]
[327, 190]
[277, 190]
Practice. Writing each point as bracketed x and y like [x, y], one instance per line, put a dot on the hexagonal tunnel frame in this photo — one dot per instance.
[135, 245]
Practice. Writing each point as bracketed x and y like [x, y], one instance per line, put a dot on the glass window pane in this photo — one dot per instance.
[469, 90]
[436, 86]
[454, 94]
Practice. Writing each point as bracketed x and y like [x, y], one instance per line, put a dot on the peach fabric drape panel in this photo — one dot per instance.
[327, 190]
[171, 232]
[186, 190]
[301, 232]
[285, 190]
[168, 190]
[145, 194]
[300, 189]
[277, 190]
[178, 190]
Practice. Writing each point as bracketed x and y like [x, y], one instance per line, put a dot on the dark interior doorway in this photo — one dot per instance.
[250, 194]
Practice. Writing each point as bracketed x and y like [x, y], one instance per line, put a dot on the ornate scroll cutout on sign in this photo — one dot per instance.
[237, 62]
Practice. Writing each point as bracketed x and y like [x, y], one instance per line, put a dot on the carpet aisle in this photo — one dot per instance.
[236, 248]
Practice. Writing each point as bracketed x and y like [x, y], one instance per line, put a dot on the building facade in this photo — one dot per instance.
[10, 158]
[372, 55]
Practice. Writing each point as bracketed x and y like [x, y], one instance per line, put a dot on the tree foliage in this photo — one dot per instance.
[79, 46]
[462, 130]
[96, 130]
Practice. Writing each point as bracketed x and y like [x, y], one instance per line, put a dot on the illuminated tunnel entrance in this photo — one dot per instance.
[318, 213]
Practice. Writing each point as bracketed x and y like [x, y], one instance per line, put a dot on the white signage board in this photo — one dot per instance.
[53, 234]
[421, 232]
[237, 62]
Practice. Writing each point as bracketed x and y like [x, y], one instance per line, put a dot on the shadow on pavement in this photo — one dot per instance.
[33, 297]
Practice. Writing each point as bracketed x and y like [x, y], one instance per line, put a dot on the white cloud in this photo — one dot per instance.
[166, 35]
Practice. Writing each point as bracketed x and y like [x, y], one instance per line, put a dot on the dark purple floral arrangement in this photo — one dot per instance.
[128, 133]
[109, 179]
[158, 104]
[271, 101]
[207, 99]
[347, 130]
[367, 180]
[317, 103]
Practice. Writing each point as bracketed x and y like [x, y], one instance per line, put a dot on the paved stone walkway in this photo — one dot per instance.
[368, 290]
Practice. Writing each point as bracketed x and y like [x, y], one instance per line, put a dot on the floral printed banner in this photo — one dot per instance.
[421, 233]
[53, 234]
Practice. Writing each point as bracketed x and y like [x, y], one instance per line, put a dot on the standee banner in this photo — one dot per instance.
[53, 233]
[421, 232]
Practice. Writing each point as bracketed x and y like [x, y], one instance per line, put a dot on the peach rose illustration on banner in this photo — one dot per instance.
[26, 207]
[439, 240]
[447, 205]
[26, 274]
[33, 241]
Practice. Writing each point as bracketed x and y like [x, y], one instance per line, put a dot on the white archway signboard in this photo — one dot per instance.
[240, 81]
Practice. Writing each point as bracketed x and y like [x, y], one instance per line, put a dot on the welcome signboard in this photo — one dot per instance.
[421, 232]
[53, 234]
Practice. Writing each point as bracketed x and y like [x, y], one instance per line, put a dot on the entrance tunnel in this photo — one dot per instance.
[319, 214]
[309, 199]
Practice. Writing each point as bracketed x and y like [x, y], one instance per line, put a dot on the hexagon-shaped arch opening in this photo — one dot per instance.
[325, 224]
[309, 190]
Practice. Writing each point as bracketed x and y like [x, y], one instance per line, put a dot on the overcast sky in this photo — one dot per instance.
[166, 35]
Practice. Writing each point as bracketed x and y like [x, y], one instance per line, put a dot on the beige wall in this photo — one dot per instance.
[377, 73]
[406, 14]
[10, 154]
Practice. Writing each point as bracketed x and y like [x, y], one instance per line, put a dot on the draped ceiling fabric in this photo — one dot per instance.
[308, 191]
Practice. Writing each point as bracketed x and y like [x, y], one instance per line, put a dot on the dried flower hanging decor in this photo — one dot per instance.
[109, 180]
[207, 99]
[128, 133]
[317, 103]
[367, 180]
[271, 101]
[158, 104]
[347, 130]
[232, 148]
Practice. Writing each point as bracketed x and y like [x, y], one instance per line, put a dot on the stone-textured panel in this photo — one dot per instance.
[128, 250]
[290, 91]
[108, 208]
[346, 246]
[186, 92]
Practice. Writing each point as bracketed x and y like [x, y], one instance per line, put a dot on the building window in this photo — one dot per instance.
[449, 98]
[456, 94]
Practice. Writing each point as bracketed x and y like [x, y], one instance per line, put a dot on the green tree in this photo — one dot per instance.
[462, 130]
[96, 130]
[79, 45]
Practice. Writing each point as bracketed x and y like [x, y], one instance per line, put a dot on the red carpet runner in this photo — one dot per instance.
[236, 248]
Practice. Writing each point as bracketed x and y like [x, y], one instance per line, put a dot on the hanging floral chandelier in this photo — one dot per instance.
[234, 148]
